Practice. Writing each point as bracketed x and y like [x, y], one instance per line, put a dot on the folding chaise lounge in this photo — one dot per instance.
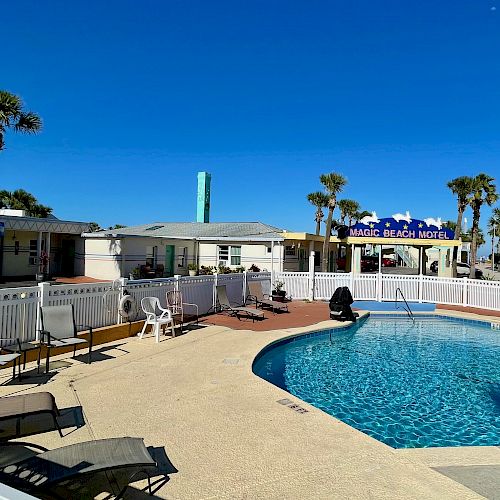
[60, 330]
[11, 358]
[237, 311]
[18, 408]
[48, 469]
[257, 295]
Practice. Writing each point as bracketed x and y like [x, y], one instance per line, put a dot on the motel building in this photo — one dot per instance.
[397, 244]
[167, 248]
[29, 245]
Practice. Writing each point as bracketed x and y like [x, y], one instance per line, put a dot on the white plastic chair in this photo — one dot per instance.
[150, 305]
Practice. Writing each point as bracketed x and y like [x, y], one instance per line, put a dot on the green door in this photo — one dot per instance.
[169, 260]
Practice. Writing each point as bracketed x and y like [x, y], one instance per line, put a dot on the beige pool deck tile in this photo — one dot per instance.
[223, 428]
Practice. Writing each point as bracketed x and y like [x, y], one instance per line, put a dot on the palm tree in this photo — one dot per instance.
[494, 231]
[22, 200]
[333, 183]
[349, 209]
[13, 117]
[320, 201]
[360, 215]
[483, 191]
[462, 187]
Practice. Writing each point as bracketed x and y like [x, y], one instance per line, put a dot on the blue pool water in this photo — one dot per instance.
[434, 383]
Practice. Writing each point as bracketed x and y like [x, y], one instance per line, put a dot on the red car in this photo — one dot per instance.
[387, 262]
[368, 263]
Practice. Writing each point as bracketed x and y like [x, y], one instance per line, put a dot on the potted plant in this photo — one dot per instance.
[278, 289]
[192, 269]
[135, 274]
[42, 266]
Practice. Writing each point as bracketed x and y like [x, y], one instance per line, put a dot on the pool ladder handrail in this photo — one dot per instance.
[405, 306]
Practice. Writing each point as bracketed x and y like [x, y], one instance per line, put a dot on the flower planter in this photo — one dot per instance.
[192, 272]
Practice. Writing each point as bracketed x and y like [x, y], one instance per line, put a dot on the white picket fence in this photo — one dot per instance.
[382, 287]
[96, 304]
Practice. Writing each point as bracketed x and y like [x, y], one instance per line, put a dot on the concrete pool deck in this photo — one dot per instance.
[227, 433]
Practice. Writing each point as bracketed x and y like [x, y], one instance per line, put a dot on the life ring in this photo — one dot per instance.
[127, 307]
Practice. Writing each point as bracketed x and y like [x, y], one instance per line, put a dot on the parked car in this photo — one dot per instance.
[369, 263]
[463, 269]
[388, 262]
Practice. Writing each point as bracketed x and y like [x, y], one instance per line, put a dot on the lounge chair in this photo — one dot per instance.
[150, 306]
[25, 405]
[175, 304]
[256, 294]
[60, 330]
[46, 470]
[225, 306]
[11, 357]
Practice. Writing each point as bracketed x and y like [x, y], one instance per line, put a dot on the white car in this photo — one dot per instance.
[463, 269]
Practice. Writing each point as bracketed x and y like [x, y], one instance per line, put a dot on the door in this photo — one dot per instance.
[302, 260]
[68, 257]
[169, 260]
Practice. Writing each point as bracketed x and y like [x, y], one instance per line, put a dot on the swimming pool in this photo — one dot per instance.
[432, 383]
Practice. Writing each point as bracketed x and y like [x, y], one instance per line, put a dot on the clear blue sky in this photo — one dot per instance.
[136, 97]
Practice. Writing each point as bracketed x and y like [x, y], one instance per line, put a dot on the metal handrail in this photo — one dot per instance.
[407, 308]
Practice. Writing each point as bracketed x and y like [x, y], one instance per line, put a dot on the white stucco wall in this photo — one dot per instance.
[18, 265]
[110, 258]
[103, 258]
[251, 253]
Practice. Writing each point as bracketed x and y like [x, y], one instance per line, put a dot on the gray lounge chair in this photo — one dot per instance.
[225, 306]
[256, 294]
[46, 470]
[18, 408]
[59, 330]
[5, 359]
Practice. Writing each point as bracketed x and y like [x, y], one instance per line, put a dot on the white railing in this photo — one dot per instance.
[96, 304]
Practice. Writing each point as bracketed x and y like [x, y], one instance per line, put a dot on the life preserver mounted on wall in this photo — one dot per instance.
[127, 307]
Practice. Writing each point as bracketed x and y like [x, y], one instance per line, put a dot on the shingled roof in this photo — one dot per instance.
[197, 231]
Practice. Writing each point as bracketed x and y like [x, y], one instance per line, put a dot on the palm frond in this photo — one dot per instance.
[28, 123]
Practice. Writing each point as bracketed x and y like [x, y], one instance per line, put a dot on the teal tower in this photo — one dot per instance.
[203, 203]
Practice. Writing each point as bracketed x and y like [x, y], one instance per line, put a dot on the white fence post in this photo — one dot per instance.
[245, 277]
[464, 292]
[311, 283]
[177, 277]
[352, 284]
[214, 292]
[123, 284]
[43, 301]
[420, 287]
[379, 287]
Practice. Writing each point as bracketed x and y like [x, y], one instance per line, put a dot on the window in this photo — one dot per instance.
[223, 255]
[290, 250]
[236, 256]
[182, 258]
[226, 251]
[33, 252]
[151, 254]
[268, 249]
